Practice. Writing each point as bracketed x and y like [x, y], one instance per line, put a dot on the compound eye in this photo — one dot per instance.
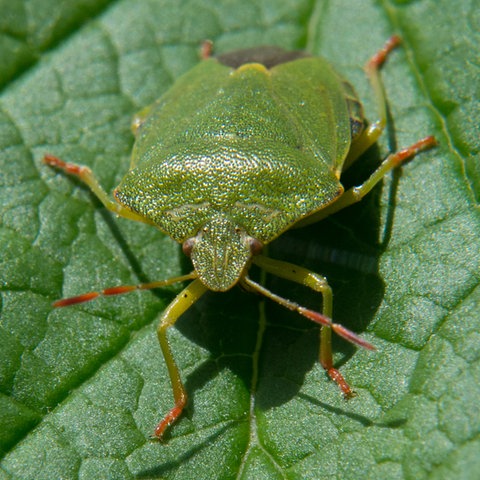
[255, 246]
[187, 246]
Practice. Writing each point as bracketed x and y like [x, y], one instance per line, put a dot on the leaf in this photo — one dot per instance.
[82, 388]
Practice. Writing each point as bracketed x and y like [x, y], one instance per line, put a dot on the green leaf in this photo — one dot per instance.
[82, 388]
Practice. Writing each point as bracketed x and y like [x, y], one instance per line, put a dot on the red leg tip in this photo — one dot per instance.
[393, 42]
[409, 152]
[53, 161]
[169, 419]
[379, 58]
[337, 377]
[71, 168]
[206, 49]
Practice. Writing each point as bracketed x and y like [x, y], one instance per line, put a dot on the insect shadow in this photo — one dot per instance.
[346, 248]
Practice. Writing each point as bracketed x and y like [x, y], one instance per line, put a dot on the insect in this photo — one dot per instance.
[243, 147]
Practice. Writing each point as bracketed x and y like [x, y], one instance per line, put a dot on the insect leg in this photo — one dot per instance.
[375, 129]
[120, 290]
[86, 175]
[319, 284]
[206, 50]
[355, 194]
[182, 302]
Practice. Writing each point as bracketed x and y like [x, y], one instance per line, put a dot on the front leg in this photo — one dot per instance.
[87, 177]
[182, 302]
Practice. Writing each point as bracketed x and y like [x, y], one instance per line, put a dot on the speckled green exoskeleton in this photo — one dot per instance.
[243, 147]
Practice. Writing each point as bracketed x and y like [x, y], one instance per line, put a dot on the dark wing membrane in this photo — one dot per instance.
[267, 55]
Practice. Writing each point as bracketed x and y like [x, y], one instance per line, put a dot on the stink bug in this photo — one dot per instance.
[243, 147]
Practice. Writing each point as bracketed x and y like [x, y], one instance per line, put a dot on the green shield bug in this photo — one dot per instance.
[243, 147]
